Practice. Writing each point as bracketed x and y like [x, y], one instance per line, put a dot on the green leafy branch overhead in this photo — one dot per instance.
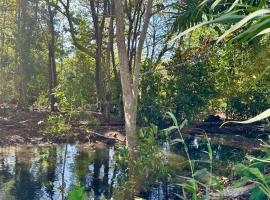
[251, 17]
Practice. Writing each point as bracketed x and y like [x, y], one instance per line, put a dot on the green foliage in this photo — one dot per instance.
[153, 101]
[42, 100]
[56, 124]
[149, 166]
[251, 17]
[191, 185]
[255, 170]
[151, 159]
[255, 173]
[193, 82]
[76, 87]
[77, 193]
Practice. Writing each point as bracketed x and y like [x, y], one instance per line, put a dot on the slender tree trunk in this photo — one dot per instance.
[107, 99]
[21, 53]
[130, 84]
[52, 63]
[98, 29]
[2, 67]
[128, 99]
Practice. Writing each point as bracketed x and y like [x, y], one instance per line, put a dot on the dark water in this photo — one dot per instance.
[30, 173]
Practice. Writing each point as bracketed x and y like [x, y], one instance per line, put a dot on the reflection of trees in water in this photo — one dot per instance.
[51, 175]
[36, 172]
[25, 186]
[6, 177]
[224, 156]
[5, 171]
[101, 173]
[92, 170]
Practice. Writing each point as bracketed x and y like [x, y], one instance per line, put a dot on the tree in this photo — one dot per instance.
[99, 12]
[51, 58]
[130, 74]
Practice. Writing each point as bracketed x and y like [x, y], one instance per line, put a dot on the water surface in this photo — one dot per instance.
[34, 173]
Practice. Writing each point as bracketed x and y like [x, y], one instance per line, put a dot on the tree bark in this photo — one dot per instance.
[52, 63]
[21, 52]
[128, 98]
[2, 67]
[130, 85]
[98, 30]
[107, 99]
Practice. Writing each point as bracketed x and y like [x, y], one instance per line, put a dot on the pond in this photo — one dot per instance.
[35, 173]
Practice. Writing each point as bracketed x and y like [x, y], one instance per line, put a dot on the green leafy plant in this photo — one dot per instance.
[56, 124]
[149, 164]
[191, 185]
[255, 171]
[77, 193]
[249, 16]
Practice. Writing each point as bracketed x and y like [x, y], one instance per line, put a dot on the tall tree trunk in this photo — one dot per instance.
[21, 53]
[51, 63]
[98, 29]
[2, 67]
[130, 85]
[107, 99]
[130, 82]
[128, 98]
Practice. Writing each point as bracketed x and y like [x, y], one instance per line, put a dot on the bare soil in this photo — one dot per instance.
[23, 128]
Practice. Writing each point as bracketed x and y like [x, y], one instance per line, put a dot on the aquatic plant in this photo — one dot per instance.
[191, 184]
[149, 165]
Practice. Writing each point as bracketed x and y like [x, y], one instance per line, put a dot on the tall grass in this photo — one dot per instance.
[191, 186]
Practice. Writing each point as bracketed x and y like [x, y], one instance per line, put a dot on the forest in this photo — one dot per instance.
[134, 99]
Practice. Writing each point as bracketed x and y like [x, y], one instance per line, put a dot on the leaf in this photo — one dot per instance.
[185, 122]
[176, 141]
[250, 172]
[242, 22]
[200, 172]
[233, 5]
[227, 18]
[263, 32]
[203, 3]
[215, 4]
[77, 193]
[242, 181]
[191, 186]
[256, 173]
[257, 194]
[170, 129]
[253, 30]
[173, 118]
[259, 117]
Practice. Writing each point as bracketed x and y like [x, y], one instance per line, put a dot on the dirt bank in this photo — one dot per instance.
[23, 128]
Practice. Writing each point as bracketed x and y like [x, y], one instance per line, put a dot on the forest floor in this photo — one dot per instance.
[25, 128]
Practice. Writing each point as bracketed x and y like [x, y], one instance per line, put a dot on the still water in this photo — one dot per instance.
[34, 173]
